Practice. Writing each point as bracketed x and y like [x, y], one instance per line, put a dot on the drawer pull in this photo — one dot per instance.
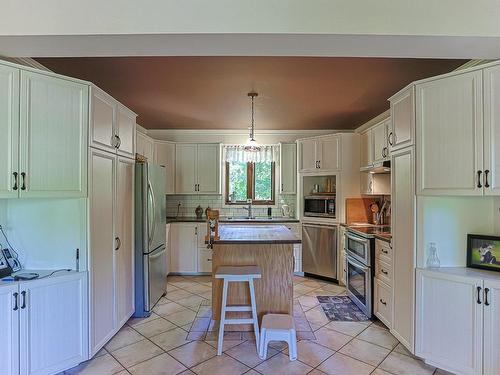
[384, 251]
[383, 302]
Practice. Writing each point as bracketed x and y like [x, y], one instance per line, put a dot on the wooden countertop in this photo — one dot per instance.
[255, 234]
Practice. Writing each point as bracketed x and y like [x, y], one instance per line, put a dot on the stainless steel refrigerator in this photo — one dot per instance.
[150, 237]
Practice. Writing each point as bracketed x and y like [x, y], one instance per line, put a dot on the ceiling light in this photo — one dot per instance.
[252, 144]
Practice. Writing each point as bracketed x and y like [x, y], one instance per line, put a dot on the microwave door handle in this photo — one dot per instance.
[356, 238]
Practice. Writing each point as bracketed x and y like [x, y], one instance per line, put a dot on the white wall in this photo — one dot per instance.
[46, 232]
[448, 220]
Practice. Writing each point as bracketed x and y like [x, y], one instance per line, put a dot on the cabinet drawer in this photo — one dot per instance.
[383, 271]
[383, 251]
[383, 302]
[204, 260]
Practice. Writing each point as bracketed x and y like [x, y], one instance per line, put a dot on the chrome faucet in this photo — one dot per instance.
[249, 209]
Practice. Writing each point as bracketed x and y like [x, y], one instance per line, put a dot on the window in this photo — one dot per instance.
[250, 180]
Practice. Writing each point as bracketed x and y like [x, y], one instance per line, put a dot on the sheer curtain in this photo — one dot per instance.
[237, 153]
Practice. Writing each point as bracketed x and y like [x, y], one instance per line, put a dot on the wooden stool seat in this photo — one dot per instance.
[238, 274]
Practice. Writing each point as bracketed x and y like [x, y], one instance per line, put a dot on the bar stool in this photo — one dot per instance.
[231, 274]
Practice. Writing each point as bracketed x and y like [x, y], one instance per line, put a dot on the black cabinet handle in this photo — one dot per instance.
[384, 271]
[384, 251]
[479, 179]
[478, 295]
[389, 138]
[486, 183]
[117, 141]
[383, 302]
[486, 302]
[23, 303]
[15, 181]
[23, 178]
[118, 243]
[384, 152]
[319, 164]
[16, 307]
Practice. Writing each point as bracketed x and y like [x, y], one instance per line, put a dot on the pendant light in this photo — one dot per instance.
[252, 145]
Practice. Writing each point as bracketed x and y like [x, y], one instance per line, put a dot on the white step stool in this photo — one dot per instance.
[278, 327]
[238, 274]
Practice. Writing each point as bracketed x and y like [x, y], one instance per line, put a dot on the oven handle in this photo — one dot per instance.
[319, 226]
[357, 264]
[357, 238]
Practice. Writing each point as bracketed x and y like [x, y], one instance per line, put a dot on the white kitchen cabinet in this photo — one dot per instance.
[380, 146]
[52, 324]
[111, 223]
[112, 125]
[124, 237]
[402, 121]
[164, 154]
[288, 168]
[366, 148]
[383, 281]
[9, 128]
[184, 248]
[53, 137]
[322, 154]
[491, 86]
[449, 130]
[145, 146]
[197, 169]
[491, 341]
[382, 302]
[403, 230]
[9, 326]
[125, 130]
[450, 321]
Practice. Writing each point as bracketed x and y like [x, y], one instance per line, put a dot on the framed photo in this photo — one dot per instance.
[483, 252]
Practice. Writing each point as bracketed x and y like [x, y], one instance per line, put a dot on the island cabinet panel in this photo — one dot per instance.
[273, 292]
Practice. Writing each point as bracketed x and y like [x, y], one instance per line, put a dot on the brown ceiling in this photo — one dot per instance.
[211, 92]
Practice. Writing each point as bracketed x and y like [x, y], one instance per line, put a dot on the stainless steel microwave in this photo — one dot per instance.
[320, 206]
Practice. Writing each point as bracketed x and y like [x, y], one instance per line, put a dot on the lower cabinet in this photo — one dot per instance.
[383, 282]
[457, 327]
[44, 325]
[296, 229]
[188, 252]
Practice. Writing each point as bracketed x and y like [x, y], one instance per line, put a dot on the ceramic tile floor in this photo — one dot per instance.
[180, 338]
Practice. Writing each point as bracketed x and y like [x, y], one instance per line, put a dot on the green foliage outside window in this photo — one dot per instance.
[262, 184]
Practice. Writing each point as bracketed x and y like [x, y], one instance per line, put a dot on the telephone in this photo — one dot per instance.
[12, 262]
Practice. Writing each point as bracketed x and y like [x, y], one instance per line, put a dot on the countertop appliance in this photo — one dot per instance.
[320, 206]
[360, 250]
[319, 250]
[150, 237]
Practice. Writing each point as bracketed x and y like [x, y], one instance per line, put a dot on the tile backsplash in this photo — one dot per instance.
[190, 202]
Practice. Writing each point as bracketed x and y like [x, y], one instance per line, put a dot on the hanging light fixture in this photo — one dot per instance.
[252, 144]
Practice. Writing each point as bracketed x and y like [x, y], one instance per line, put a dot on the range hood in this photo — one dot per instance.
[379, 167]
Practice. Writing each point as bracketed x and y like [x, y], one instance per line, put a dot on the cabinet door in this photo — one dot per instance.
[103, 118]
[450, 133]
[124, 246]
[366, 149]
[125, 129]
[9, 128]
[491, 327]
[328, 150]
[402, 120]
[449, 321]
[184, 248]
[53, 143]
[9, 326]
[208, 168]
[492, 130]
[185, 168]
[144, 146]
[366, 183]
[165, 156]
[53, 324]
[288, 168]
[379, 141]
[307, 155]
[403, 229]
[102, 243]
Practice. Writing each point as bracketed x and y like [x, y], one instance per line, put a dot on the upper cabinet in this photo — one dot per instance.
[197, 168]
[491, 138]
[288, 168]
[144, 146]
[366, 148]
[9, 128]
[112, 124]
[449, 131]
[322, 153]
[374, 144]
[164, 154]
[402, 121]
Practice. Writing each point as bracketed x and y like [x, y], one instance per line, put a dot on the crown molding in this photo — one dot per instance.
[26, 61]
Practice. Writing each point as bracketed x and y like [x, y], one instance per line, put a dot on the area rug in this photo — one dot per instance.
[341, 308]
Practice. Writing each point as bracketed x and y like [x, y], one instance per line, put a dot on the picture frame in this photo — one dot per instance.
[483, 252]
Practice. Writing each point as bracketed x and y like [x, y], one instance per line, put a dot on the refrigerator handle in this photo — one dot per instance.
[151, 227]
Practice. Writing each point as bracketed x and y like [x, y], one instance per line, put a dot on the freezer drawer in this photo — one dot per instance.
[319, 250]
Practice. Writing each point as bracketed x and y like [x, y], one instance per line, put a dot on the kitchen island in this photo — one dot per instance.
[268, 246]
